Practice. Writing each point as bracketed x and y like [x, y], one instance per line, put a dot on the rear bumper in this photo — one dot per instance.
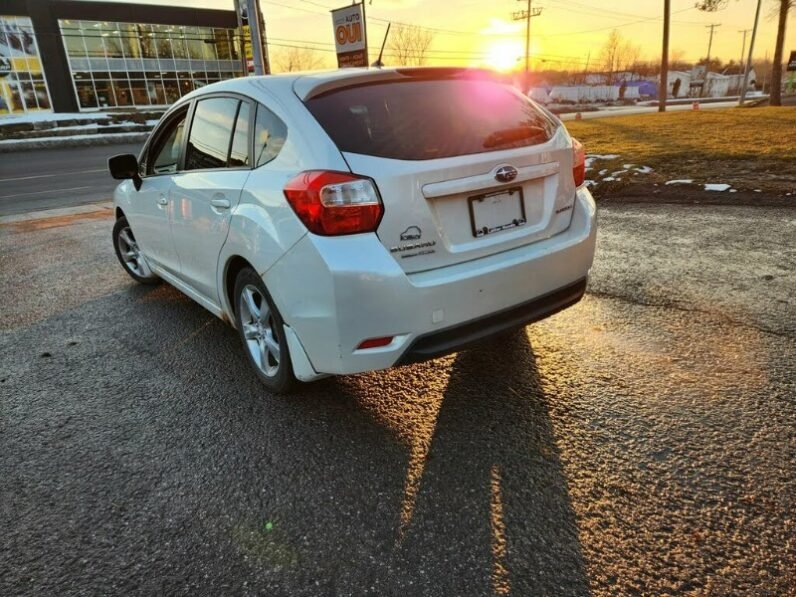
[437, 344]
[336, 292]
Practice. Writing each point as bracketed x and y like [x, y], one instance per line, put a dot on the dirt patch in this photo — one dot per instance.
[57, 221]
[689, 195]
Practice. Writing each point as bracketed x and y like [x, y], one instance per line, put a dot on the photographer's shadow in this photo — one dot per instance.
[491, 504]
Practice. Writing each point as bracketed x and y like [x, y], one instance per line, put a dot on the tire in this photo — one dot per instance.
[130, 256]
[261, 331]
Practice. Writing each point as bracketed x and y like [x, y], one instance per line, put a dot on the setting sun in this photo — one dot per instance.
[504, 54]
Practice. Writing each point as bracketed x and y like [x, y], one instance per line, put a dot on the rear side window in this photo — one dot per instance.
[269, 136]
[427, 119]
[211, 133]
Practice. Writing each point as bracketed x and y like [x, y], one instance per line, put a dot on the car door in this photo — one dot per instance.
[150, 216]
[217, 163]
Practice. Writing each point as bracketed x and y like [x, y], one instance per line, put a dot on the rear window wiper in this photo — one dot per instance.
[512, 135]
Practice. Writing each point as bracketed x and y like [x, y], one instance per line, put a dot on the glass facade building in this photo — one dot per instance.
[120, 64]
[22, 84]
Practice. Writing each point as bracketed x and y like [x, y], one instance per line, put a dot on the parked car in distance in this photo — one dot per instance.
[359, 219]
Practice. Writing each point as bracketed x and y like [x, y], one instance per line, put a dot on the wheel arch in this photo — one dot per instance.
[119, 213]
[232, 267]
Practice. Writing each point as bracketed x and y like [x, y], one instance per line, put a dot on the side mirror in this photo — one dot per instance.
[125, 167]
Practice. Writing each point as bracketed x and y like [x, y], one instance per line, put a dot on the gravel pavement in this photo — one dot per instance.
[642, 442]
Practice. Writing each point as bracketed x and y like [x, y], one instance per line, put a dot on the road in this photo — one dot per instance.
[630, 110]
[641, 442]
[64, 177]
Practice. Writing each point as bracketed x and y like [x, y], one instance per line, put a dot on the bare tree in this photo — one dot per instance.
[409, 44]
[776, 70]
[616, 54]
[711, 5]
[630, 55]
[609, 55]
[297, 59]
[677, 60]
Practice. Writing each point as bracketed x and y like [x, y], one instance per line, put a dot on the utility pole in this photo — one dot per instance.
[743, 45]
[365, 31]
[241, 37]
[749, 60]
[663, 90]
[712, 26]
[527, 15]
[253, 11]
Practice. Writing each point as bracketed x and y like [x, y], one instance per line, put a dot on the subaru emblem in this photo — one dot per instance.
[506, 174]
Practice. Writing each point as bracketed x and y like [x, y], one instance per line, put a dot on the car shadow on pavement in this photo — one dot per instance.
[439, 478]
[492, 506]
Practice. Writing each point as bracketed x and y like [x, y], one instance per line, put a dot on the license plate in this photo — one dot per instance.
[498, 211]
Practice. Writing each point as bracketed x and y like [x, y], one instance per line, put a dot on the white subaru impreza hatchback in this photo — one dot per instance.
[359, 219]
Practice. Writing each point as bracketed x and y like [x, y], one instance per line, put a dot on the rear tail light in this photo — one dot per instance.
[335, 203]
[375, 342]
[578, 162]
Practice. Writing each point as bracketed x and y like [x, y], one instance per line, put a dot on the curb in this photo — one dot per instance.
[11, 146]
[56, 213]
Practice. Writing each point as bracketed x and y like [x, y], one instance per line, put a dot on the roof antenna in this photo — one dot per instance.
[379, 63]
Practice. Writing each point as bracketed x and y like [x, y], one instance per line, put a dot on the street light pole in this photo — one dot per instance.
[749, 60]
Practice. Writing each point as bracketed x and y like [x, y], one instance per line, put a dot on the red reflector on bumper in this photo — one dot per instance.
[375, 342]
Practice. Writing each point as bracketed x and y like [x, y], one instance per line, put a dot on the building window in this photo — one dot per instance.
[22, 85]
[138, 64]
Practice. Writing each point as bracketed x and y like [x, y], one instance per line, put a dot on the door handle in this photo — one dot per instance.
[220, 203]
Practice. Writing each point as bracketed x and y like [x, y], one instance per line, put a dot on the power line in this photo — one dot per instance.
[611, 26]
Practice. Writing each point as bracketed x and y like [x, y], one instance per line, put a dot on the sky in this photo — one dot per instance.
[483, 33]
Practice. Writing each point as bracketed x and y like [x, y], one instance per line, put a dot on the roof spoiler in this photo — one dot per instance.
[307, 88]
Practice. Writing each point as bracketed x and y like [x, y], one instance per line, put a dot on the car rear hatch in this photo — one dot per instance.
[465, 165]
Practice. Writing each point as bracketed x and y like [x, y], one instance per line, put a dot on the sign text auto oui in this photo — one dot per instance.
[349, 36]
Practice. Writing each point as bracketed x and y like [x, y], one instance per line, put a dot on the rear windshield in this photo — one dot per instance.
[427, 119]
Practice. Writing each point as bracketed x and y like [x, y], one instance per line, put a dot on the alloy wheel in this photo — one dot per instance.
[131, 253]
[260, 330]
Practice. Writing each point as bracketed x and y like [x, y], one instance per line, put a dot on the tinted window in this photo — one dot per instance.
[423, 119]
[239, 154]
[211, 131]
[269, 135]
[165, 151]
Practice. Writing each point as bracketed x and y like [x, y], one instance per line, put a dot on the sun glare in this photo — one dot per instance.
[503, 55]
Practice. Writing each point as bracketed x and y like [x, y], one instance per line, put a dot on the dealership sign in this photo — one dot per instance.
[349, 36]
[792, 61]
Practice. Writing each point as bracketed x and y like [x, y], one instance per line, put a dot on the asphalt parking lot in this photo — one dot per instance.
[642, 442]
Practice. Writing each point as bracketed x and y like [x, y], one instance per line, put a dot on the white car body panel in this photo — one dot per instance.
[201, 205]
[335, 292]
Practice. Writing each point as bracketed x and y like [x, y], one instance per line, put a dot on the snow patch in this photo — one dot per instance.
[716, 186]
[46, 116]
[627, 166]
[643, 169]
[618, 172]
[680, 181]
